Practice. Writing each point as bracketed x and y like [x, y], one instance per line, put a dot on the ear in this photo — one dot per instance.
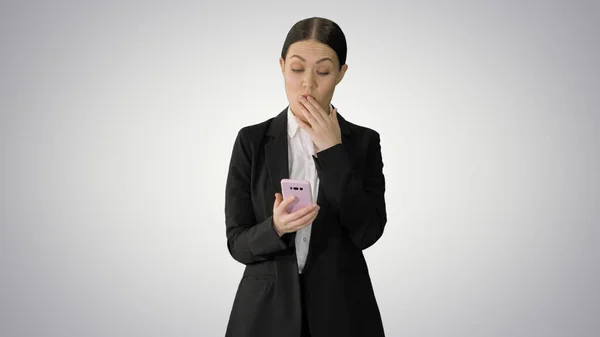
[282, 64]
[341, 74]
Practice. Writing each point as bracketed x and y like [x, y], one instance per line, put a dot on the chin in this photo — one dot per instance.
[296, 109]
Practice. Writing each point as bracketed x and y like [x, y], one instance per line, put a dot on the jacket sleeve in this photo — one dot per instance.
[247, 241]
[359, 200]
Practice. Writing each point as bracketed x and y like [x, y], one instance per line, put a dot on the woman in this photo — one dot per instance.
[305, 272]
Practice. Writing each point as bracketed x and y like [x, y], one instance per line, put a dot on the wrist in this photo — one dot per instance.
[279, 233]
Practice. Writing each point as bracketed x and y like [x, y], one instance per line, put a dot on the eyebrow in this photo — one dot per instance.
[303, 60]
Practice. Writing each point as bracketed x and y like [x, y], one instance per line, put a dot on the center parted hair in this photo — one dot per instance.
[318, 29]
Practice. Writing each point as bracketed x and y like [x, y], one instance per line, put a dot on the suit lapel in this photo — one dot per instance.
[276, 151]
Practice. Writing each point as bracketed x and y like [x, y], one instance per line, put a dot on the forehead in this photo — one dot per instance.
[311, 51]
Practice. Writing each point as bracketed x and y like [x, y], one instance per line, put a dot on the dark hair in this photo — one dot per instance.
[319, 29]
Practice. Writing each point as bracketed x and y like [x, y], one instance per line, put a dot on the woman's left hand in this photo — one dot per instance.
[324, 128]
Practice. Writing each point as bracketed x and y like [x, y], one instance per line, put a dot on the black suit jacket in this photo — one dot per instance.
[337, 291]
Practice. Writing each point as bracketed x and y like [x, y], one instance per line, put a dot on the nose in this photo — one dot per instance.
[309, 82]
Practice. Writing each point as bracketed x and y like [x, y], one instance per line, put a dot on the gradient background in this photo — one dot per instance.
[118, 119]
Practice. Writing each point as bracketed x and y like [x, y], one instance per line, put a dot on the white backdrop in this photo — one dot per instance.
[117, 120]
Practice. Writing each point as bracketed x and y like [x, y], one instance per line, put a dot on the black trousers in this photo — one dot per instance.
[305, 331]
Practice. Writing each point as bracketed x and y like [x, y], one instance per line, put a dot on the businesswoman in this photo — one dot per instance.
[305, 273]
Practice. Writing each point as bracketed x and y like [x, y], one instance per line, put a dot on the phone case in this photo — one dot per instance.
[298, 188]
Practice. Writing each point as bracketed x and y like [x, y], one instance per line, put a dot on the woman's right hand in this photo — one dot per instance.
[285, 222]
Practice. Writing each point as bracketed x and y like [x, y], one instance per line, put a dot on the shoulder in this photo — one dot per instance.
[363, 130]
[255, 131]
[360, 133]
[251, 136]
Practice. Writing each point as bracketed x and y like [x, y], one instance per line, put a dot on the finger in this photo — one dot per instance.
[278, 199]
[282, 208]
[304, 126]
[300, 213]
[312, 108]
[333, 115]
[311, 112]
[321, 112]
[308, 115]
[303, 221]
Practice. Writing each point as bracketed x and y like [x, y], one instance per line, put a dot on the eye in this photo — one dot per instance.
[322, 74]
[297, 70]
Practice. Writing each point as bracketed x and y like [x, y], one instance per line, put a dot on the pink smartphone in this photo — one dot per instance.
[299, 189]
